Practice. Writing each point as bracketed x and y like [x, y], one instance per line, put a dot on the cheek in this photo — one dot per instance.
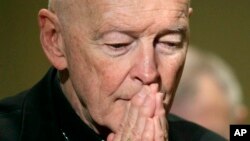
[111, 75]
[170, 72]
[83, 75]
[106, 106]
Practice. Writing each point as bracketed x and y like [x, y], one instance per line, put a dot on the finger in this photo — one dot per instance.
[133, 112]
[167, 100]
[146, 110]
[154, 88]
[139, 127]
[160, 114]
[160, 134]
[148, 133]
[139, 98]
[111, 137]
[148, 107]
[159, 109]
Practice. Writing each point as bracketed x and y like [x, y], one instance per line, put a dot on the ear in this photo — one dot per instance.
[51, 38]
[190, 11]
[241, 114]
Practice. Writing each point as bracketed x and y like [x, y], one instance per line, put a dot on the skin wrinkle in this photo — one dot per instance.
[83, 44]
[124, 22]
[133, 34]
[58, 4]
[91, 9]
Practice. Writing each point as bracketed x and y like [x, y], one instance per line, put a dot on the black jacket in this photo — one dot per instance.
[42, 114]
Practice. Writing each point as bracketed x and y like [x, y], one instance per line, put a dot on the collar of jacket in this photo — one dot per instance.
[39, 121]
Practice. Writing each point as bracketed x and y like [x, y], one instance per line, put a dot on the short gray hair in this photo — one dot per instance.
[198, 62]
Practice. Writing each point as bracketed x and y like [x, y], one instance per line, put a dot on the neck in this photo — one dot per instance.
[79, 106]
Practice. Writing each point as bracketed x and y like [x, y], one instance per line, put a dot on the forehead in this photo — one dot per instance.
[99, 16]
[139, 13]
[135, 3]
[123, 6]
[137, 7]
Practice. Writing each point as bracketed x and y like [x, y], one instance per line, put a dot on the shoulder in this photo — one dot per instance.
[10, 116]
[180, 129]
[12, 104]
[29, 112]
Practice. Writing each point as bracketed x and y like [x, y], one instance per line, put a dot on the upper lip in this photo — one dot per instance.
[128, 96]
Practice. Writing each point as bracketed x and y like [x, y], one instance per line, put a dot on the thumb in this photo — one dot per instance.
[111, 137]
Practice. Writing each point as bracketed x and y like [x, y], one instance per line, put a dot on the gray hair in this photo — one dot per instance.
[198, 62]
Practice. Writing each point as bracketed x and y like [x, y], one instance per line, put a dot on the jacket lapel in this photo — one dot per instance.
[39, 122]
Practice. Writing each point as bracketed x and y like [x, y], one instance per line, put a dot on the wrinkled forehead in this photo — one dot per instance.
[131, 12]
[126, 10]
[111, 4]
[140, 5]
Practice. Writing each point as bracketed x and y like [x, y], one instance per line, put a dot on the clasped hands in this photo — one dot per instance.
[145, 119]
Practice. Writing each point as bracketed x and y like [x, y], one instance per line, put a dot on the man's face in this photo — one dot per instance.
[119, 47]
[212, 107]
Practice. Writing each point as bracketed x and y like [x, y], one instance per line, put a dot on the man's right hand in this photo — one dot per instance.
[145, 118]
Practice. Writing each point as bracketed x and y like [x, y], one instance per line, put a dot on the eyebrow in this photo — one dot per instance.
[174, 30]
[112, 28]
[108, 28]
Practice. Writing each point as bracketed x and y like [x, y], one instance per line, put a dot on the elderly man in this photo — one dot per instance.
[116, 65]
[211, 93]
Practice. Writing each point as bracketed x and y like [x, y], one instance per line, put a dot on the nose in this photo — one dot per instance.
[145, 67]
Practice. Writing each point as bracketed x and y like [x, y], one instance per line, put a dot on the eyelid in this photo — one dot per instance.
[164, 35]
[116, 37]
[117, 45]
[118, 49]
[181, 30]
[171, 37]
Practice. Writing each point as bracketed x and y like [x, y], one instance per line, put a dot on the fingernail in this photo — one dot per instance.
[142, 93]
[154, 87]
[160, 95]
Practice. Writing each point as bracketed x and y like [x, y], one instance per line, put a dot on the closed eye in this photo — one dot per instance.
[171, 44]
[117, 45]
[117, 49]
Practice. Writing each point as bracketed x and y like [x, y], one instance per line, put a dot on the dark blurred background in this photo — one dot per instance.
[220, 26]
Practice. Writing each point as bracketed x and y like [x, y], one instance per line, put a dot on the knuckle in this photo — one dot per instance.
[121, 126]
[136, 135]
[136, 102]
[162, 112]
[147, 136]
[129, 123]
[161, 134]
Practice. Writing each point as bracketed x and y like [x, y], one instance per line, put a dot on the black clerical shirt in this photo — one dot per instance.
[72, 127]
[42, 113]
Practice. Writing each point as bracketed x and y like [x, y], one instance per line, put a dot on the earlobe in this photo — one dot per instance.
[51, 39]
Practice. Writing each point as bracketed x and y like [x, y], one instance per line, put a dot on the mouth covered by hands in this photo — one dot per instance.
[145, 119]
